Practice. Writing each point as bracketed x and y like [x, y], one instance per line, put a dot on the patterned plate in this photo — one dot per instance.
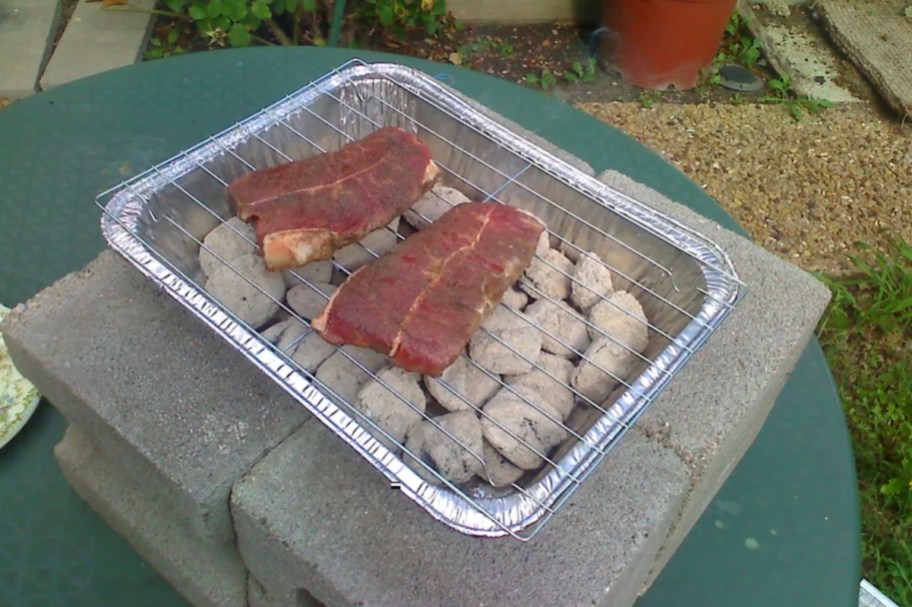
[18, 397]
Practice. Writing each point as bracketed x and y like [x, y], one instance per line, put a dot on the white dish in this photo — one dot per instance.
[18, 397]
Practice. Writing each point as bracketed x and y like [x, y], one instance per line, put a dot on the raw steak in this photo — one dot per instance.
[307, 209]
[421, 302]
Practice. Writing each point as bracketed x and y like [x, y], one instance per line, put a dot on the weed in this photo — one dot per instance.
[797, 106]
[485, 46]
[866, 333]
[546, 79]
[579, 71]
[164, 46]
[648, 99]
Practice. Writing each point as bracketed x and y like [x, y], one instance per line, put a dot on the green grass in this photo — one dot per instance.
[867, 337]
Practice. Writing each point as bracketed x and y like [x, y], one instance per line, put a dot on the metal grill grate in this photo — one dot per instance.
[683, 282]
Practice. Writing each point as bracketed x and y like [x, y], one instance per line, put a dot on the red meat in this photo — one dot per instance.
[421, 302]
[307, 209]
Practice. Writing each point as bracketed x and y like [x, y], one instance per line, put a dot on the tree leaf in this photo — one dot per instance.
[222, 23]
[261, 10]
[214, 8]
[172, 36]
[175, 6]
[277, 7]
[385, 15]
[309, 5]
[197, 11]
[238, 35]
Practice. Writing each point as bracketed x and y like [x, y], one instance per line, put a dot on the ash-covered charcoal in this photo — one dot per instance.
[255, 303]
[550, 383]
[432, 205]
[570, 250]
[622, 317]
[311, 351]
[344, 376]
[592, 281]
[519, 345]
[519, 431]
[285, 333]
[548, 275]
[379, 241]
[416, 444]
[315, 271]
[228, 241]
[498, 471]
[604, 365]
[514, 299]
[460, 459]
[467, 381]
[564, 332]
[307, 301]
[381, 399]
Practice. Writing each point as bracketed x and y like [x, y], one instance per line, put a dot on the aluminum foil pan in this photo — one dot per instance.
[687, 284]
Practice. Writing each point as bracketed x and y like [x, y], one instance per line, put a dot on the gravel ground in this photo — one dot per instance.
[806, 190]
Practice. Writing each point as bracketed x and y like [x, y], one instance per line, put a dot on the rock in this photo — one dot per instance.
[432, 205]
[416, 456]
[255, 303]
[622, 317]
[308, 302]
[605, 364]
[228, 241]
[315, 271]
[570, 250]
[519, 432]
[591, 281]
[521, 342]
[498, 471]
[564, 332]
[379, 241]
[467, 381]
[549, 384]
[548, 275]
[394, 406]
[514, 299]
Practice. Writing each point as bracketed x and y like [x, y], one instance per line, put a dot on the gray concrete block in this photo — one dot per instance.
[179, 408]
[712, 411]
[96, 40]
[27, 30]
[202, 572]
[313, 515]
[523, 11]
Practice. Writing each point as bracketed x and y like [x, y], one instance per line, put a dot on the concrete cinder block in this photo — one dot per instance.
[205, 574]
[712, 411]
[155, 390]
[312, 515]
[96, 40]
[344, 536]
[27, 30]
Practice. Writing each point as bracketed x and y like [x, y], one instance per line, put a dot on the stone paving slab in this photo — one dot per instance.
[96, 40]
[153, 387]
[27, 29]
[206, 573]
[877, 37]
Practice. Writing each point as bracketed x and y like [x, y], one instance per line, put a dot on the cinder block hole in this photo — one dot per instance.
[305, 599]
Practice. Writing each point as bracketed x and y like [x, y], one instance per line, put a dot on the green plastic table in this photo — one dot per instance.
[783, 530]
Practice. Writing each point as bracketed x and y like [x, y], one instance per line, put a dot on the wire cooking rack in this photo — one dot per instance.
[521, 509]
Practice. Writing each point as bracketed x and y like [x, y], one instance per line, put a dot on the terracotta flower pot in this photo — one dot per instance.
[663, 44]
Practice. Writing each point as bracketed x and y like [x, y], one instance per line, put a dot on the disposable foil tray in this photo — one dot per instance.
[686, 285]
